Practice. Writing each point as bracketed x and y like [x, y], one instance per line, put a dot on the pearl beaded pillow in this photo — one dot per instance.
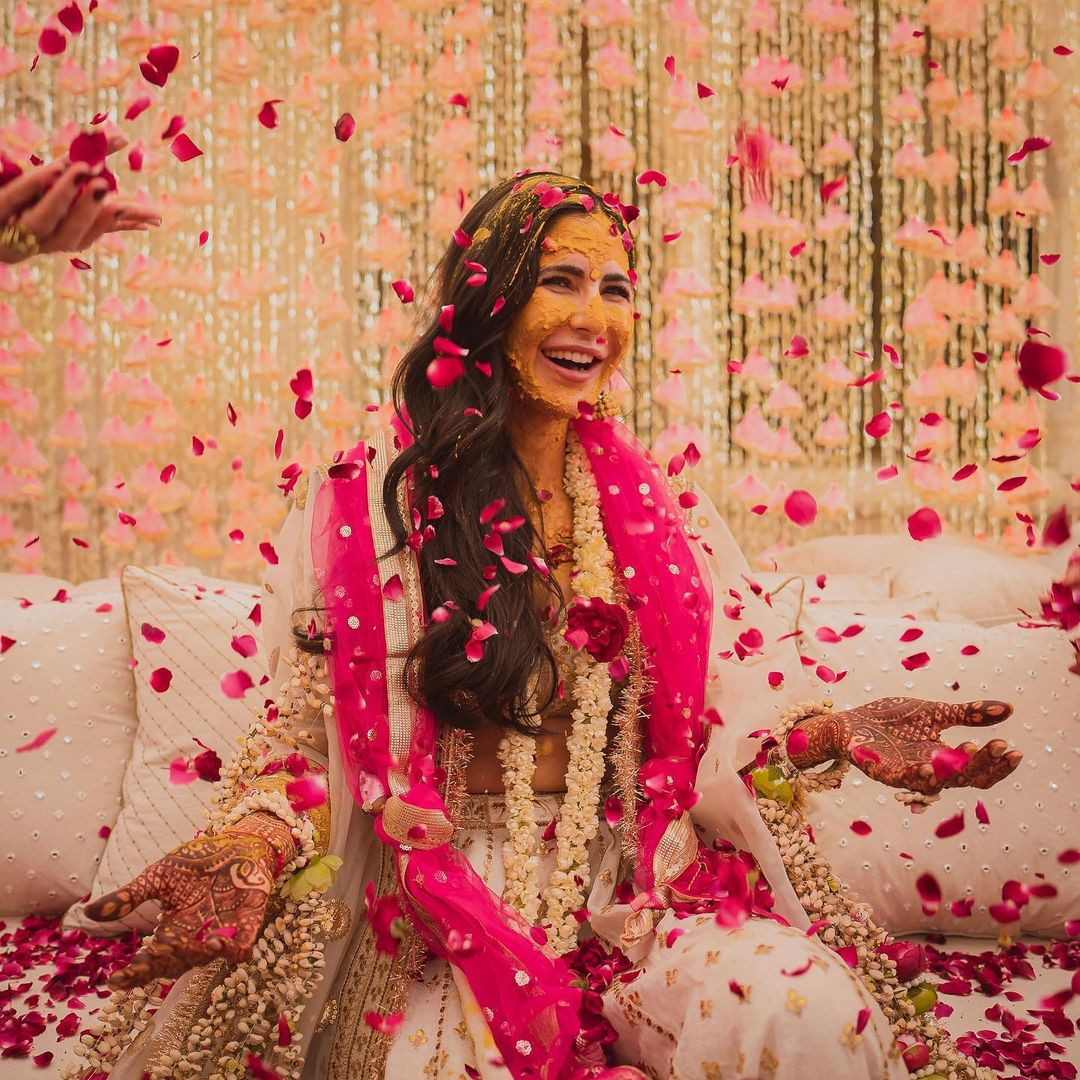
[69, 702]
[180, 698]
[1033, 815]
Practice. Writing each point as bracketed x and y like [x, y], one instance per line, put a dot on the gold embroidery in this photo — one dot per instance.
[418, 1037]
[329, 1016]
[795, 1002]
[710, 1070]
[671, 976]
[768, 1063]
[763, 949]
[712, 957]
[850, 1038]
[706, 1007]
[300, 491]
[173, 1037]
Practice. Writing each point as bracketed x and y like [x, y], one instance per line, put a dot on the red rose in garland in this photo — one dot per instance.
[596, 626]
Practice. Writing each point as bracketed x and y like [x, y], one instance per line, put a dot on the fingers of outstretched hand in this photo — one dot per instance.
[33, 181]
[49, 212]
[79, 219]
[987, 766]
[155, 960]
[123, 901]
[975, 713]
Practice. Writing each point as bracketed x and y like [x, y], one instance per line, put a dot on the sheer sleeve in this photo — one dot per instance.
[738, 689]
[300, 705]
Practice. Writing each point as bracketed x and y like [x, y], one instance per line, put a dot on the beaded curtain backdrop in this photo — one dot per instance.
[842, 323]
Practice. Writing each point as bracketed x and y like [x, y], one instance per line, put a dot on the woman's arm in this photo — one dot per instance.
[271, 810]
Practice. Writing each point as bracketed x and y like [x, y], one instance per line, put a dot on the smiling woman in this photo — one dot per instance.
[518, 744]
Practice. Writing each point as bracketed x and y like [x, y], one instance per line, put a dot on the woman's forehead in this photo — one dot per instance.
[585, 235]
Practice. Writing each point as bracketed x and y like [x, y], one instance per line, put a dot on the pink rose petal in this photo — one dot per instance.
[235, 684]
[924, 524]
[345, 127]
[929, 893]
[1040, 364]
[306, 792]
[950, 826]
[160, 679]
[183, 149]
[801, 508]
[38, 741]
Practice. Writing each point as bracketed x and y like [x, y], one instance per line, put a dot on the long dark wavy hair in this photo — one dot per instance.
[461, 461]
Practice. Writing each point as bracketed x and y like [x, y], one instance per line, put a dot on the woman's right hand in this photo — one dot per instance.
[213, 892]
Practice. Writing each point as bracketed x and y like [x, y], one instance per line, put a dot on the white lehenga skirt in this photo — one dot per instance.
[763, 1002]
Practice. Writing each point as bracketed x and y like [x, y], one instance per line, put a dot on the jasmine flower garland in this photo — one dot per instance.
[578, 820]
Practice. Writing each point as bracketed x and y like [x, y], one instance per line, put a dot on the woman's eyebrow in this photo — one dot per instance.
[576, 271]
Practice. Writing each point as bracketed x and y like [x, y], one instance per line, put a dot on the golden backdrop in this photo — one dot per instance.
[897, 249]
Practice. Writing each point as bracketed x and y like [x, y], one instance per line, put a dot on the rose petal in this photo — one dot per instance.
[235, 684]
[39, 740]
[801, 508]
[160, 679]
[924, 524]
[344, 127]
[950, 826]
[929, 893]
[1040, 364]
[183, 149]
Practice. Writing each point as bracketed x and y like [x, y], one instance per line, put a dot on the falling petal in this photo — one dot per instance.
[950, 826]
[652, 176]
[306, 792]
[384, 1024]
[183, 149]
[179, 773]
[861, 828]
[1040, 364]
[268, 114]
[801, 508]
[245, 645]
[929, 893]
[160, 679]
[404, 291]
[39, 740]
[1049, 258]
[949, 762]
[235, 684]
[345, 127]
[879, 425]
[51, 42]
[924, 524]
[394, 590]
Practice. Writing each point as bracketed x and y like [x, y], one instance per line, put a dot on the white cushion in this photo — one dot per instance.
[68, 671]
[33, 587]
[971, 578]
[200, 616]
[1033, 814]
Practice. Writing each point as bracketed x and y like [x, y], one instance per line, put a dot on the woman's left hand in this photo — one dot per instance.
[897, 741]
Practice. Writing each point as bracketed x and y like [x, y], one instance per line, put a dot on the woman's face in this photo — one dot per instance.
[568, 340]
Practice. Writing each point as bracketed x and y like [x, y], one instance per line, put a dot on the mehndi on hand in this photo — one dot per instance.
[897, 741]
[213, 892]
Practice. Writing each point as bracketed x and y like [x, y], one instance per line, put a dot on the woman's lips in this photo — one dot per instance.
[577, 377]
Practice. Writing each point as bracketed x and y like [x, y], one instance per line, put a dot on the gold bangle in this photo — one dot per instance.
[17, 241]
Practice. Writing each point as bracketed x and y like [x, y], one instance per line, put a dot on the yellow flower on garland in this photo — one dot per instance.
[317, 876]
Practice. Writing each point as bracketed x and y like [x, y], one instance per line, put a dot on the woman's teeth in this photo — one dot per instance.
[574, 360]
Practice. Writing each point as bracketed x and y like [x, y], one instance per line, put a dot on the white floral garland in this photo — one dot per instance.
[578, 820]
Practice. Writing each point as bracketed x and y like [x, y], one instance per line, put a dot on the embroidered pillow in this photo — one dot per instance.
[199, 617]
[69, 689]
[1033, 814]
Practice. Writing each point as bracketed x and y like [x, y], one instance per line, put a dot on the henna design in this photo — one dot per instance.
[893, 740]
[213, 892]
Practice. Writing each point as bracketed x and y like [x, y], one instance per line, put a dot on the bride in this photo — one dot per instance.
[504, 819]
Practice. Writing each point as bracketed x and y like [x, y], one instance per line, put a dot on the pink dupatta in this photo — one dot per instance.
[388, 744]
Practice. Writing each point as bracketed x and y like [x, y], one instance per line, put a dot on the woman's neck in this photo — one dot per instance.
[539, 440]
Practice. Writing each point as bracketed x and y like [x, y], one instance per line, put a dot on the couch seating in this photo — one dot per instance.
[111, 688]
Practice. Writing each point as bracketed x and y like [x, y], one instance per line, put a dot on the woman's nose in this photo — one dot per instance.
[589, 315]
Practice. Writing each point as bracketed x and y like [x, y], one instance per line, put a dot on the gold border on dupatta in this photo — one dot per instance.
[374, 981]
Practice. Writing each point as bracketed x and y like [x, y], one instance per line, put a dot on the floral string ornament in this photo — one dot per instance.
[597, 628]
[893, 971]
